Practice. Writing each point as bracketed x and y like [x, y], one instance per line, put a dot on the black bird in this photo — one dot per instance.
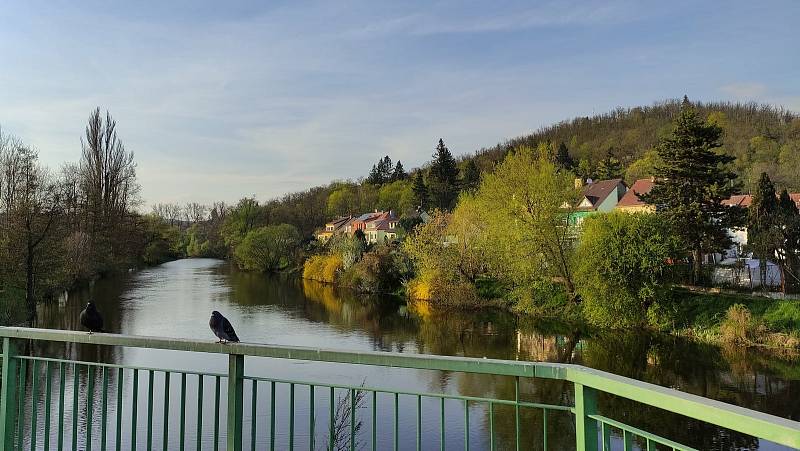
[222, 328]
[91, 319]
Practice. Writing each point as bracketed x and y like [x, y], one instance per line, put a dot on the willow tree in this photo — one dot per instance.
[526, 204]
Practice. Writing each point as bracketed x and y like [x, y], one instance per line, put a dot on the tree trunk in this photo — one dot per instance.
[697, 266]
[30, 300]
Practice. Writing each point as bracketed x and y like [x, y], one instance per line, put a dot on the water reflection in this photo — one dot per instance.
[175, 300]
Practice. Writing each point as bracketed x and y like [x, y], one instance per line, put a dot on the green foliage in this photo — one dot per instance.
[12, 306]
[382, 172]
[738, 327]
[420, 191]
[443, 178]
[470, 177]
[381, 270]
[163, 241]
[692, 181]
[399, 173]
[348, 248]
[643, 168]
[563, 158]
[619, 263]
[240, 220]
[267, 248]
[608, 168]
[397, 196]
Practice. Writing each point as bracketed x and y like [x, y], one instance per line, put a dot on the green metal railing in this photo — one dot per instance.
[100, 419]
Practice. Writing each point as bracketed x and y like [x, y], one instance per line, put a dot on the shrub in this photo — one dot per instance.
[739, 327]
[267, 248]
[619, 264]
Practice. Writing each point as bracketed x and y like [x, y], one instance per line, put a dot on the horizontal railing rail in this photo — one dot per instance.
[587, 382]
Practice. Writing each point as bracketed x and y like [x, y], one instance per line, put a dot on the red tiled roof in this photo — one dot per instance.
[631, 197]
[744, 200]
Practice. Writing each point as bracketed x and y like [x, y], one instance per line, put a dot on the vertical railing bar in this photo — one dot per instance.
[544, 429]
[291, 416]
[165, 438]
[466, 425]
[217, 383]
[606, 437]
[396, 422]
[23, 368]
[235, 403]
[331, 418]
[118, 432]
[150, 380]
[441, 425]
[627, 441]
[48, 393]
[62, 377]
[34, 404]
[8, 401]
[272, 417]
[374, 421]
[419, 422]
[182, 426]
[491, 426]
[75, 396]
[253, 404]
[134, 408]
[199, 441]
[90, 369]
[311, 420]
[516, 411]
[104, 411]
[352, 420]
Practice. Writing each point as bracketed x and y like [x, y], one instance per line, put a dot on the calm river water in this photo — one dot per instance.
[175, 300]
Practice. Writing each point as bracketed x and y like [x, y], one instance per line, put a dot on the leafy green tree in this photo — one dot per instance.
[240, 220]
[268, 248]
[764, 237]
[399, 173]
[609, 168]
[470, 177]
[397, 196]
[563, 159]
[789, 254]
[420, 191]
[619, 265]
[342, 201]
[584, 169]
[443, 178]
[643, 167]
[692, 181]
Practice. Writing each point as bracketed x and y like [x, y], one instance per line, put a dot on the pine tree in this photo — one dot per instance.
[399, 173]
[420, 191]
[382, 172]
[789, 254]
[609, 167]
[470, 177]
[763, 235]
[692, 181]
[443, 178]
[563, 160]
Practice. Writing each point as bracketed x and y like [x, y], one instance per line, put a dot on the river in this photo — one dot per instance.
[175, 300]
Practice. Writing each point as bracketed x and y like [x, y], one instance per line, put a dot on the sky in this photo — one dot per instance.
[220, 100]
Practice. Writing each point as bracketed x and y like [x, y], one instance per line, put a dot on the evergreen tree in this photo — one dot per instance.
[692, 181]
[609, 167]
[563, 160]
[420, 191]
[789, 254]
[584, 169]
[763, 233]
[443, 178]
[382, 172]
[470, 176]
[399, 172]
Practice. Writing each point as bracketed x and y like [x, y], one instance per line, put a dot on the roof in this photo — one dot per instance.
[631, 197]
[744, 200]
[597, 192]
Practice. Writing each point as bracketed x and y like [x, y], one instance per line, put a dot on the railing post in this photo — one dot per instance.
[235, 401]
[585, 427]
[8, 397]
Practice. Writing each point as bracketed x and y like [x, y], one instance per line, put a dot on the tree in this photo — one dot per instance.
[789, 253]
[420, 191]
[381, 172]
[609, 168]
[619, 265]
[240, 220]
[443, 178]
[563, 159]
[692, 180]
[399, 173]
[397, 196]
[470, 177]
[267, 248]
[584, 169]
[764, 237]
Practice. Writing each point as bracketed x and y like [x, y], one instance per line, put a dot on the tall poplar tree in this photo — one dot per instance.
[692, 180]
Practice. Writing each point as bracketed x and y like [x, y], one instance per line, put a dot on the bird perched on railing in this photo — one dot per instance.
[91, 318]
[222, 328]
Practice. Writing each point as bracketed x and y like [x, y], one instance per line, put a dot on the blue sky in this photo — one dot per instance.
[224, 99]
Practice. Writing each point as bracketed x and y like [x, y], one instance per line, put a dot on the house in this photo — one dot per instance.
[333, 227]
[631, 202]
[601, 196]
[739, 236]
[382, 228]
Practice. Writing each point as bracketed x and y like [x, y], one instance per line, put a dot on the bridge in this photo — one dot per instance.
[40, 393]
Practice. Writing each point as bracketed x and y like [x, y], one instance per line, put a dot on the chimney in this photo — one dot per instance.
[578, 182]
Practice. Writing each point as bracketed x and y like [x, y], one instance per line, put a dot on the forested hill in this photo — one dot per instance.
[761, 137]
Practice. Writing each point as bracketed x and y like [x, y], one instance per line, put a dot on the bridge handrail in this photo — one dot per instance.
[587, 381]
